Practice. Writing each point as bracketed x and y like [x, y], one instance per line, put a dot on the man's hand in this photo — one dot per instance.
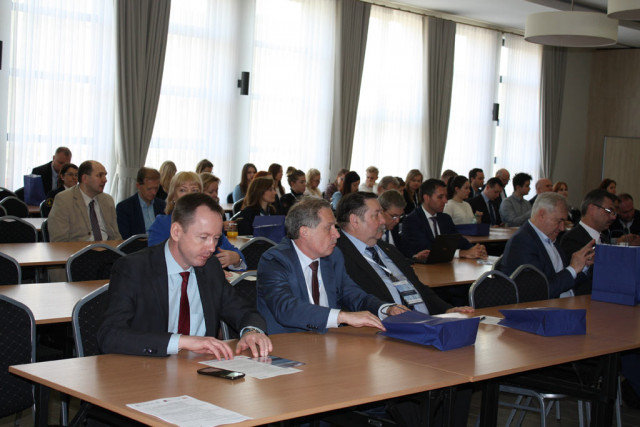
[207, 345]
[396, 309]
[423, 255]
[462, 309]
[255, 341]
[583, 257]
[631, 239]
[359, 319]
[228, 258]
[477, 251]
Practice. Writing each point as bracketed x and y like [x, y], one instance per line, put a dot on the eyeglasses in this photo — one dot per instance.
[607, 210]
[396, 217]
[75, 175]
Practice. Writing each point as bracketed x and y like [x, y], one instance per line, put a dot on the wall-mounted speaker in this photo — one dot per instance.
[496, 112]
[243, 83]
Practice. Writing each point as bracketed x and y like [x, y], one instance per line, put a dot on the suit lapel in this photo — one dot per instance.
[301, 290]
[160, 282]
[205, 287]
[425, 220]
[81, 207]
[542, 249]
[328, 281]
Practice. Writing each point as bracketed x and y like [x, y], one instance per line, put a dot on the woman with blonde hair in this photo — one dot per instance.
[259, 201]
[210, 184]
[167, 171]
[412, 190]
[313, 182]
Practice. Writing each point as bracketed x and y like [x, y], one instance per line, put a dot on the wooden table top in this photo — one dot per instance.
[460, 271]
[228, 207]
[51, 302]
[340, 371]
[496, 235]
[36, 222]
[46, 253]
[33, 209]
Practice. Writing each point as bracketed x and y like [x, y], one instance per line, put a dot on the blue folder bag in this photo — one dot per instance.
[473, 229]
[271, 227]
[442, 333]
[615, 275]
[548, 322]
[33, 190]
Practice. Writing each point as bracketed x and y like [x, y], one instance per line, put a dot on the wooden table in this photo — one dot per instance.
[36, 222]
[496, 235]
[46, 253]
[340, 371]
[51, 302]
[228, 207]
[34, 210]
[460, 271]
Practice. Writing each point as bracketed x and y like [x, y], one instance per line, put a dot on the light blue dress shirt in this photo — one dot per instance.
[148, 213]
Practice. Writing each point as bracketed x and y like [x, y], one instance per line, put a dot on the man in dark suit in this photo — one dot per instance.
[486, 202]
[476, 181]
[137, 213]
[626, 228]
[49, 171]
[421, 226]
[303, 284]
[597, 214]
[172, 296]
[535, 243]
[378, 267]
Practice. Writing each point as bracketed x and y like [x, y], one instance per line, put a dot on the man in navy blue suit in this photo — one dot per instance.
[137, 213]
[421, 226]
[536, 243]
[303, 284]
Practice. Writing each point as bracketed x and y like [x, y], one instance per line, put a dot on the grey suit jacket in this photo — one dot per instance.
[69, 217]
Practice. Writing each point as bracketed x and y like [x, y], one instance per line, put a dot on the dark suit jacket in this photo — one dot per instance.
[417, 235]
[525, 247]
[361, 271]
[287, 201]
[411, 202]
[478, 204]
[572, 241]
[617, 229]
[533, 199]
[136, 318]
[129, 213]
[47, 176]
[283, 299]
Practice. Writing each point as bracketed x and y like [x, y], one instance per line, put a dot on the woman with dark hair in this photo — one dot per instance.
[609, 185]
[276, 172]
[297, 183]
[456, 207]
[335, 185]
[248, 172]
[67, 178]
[259, 201]
[349, 185]
[411, 191]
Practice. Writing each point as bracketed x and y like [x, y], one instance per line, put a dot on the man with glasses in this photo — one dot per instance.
[393, 204]
[536, 243]
[626, 228]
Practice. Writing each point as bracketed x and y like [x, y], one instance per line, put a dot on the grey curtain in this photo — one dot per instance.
[354, 26]
[554, 65]
[440, 45]
[141, 41]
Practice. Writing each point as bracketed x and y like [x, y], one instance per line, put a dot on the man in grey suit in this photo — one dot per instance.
[84, 212]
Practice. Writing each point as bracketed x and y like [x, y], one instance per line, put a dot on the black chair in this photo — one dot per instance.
[93, 262]
[237, 206]
[20, 193]
[86, 318]
[44, 230]
[230, 197]
[253, 250]
[491, 289]
[15, 207]
[10, 271]
[497, 264]
[532, 284]
[16, 230]
[134, 243]
[245, 284]
[45, 207]
[3, 211]
[17, 346]
[5, 192]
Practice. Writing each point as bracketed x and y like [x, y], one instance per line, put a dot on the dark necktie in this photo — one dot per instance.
[315, 286]
[605, 238]
[492, 214]
[184, 322]
[386, 236]
[95, 226]
[435, 225]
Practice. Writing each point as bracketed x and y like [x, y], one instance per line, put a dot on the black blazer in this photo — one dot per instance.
[478, 204]
[412, 202]
[136, 317]
[572, 241]
[617, 229]
[47, 176]
[129, 214]
[361, 271]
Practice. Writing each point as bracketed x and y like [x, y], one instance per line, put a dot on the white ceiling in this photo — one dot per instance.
[511, 15]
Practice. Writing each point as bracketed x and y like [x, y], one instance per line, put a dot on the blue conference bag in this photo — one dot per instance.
[269, 226]
[615, 275]
[441, 332]
[548, 322]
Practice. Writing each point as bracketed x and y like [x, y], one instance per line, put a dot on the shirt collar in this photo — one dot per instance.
[427, 213]
[595, 234]
[143, 204]
[540, 234]
[485, 198]
[304, 260]
[86, 198]
[359, 244]
[172, 265]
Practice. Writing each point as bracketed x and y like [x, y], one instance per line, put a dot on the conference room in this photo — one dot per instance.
[331, 84]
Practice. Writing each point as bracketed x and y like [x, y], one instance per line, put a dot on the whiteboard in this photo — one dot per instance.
[621, 162]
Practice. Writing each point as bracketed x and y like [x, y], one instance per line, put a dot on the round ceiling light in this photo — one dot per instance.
[571, 29]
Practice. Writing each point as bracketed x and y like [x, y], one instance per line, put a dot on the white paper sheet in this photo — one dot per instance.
[251, 368]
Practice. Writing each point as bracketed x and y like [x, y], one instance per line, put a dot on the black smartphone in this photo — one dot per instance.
[221, 373]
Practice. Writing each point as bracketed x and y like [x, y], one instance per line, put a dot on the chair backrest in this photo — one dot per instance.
[17, 346]
[237, 206]
[134, 243]
[230, 197]
[20, 193]
[44, 230]
[3, 211]
[497, 264]
[17, 230]
[15, 207]
[532, 284]
[5, 192]
[253, 250]
[245, 285]
[491, 289]
[10, 271]
[86, 318]
[45, 207]
[93, 262]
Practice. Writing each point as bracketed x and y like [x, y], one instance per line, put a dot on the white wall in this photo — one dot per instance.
[570, 160]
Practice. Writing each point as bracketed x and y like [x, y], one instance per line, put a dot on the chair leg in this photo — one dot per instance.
[580, 414]
[64, 410]
[619, 403]
[512, 414]
[527, 403]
